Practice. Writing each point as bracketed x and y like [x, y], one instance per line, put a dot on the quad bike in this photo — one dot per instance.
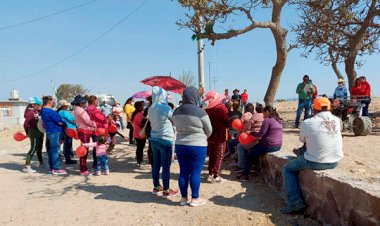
[350, 112]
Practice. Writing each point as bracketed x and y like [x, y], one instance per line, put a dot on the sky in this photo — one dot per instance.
[147, 43]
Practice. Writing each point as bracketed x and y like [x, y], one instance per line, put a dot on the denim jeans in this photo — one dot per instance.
[303, 104]
[366, 102]
[121, 120]
[102, 160]
[291, 170]
[54, 149]
[162, 157]
[257, 151]
[67, 147]
[231, 145]
[191, 160]
[94, 158]
[242, 155]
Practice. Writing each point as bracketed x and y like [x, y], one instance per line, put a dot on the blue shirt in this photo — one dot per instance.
[68, 119]
[51, 120]
[340, 92]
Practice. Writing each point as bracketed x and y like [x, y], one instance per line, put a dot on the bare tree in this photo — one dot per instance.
[208, 15]
[69, 91]
[187, 78]
[339, 31]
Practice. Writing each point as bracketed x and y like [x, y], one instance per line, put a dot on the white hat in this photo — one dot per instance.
[63, 103]
[340, 80]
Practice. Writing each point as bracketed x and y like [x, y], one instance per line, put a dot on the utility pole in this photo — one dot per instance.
[201, 70]
[209, 75]
[214, 80]
[52, 88]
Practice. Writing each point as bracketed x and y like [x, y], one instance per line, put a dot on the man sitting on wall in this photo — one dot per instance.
[323, 138]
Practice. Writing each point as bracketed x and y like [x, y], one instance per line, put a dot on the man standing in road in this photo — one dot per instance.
[305, 91]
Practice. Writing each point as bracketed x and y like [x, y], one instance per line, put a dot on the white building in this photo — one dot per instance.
[12, 111]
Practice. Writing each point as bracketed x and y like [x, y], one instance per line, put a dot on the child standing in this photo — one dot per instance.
[101, 154]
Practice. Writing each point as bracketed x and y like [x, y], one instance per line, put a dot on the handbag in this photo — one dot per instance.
[142, 132]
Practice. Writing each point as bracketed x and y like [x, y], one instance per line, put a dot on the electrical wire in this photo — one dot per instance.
[47, 16]
[81, 49]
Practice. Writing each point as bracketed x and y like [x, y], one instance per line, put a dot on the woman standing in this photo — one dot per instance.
[100, 120]
[67, 118]
[86, 127]
[193, 128]
[31, 116]
[220, 122]
[270, 136]
[136, 119]
[129, 109]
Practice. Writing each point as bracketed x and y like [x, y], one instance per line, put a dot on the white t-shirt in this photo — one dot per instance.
[323, 138]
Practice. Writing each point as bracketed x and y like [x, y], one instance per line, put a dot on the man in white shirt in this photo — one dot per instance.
[323, 139]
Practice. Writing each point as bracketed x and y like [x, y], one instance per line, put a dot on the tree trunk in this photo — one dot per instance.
[350, 70]
[279, 35]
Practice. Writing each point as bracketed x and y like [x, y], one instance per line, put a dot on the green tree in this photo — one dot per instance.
[69, 91]
[187, 78]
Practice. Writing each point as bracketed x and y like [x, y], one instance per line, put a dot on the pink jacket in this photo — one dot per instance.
[83, 120]
[97, 116]
[252, 122]
[101, 149]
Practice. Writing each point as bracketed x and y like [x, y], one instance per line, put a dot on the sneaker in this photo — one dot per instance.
[218, 179]
[184, 202]
[70, 162]
[295, 126]
[85, 173]
[157, 191]
[106, 172]
[98, 173]
[242, 178]
[293, 208]
[170, 193]
[210, 178]
[59, 172]
[28, 169]
[199, 202]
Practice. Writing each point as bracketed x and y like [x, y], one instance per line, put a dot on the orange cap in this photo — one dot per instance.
[322, 102]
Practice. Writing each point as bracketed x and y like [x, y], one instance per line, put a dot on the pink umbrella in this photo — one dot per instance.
[142, 94]
[166, 82]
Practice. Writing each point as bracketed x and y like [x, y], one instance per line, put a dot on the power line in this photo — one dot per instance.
[81, 49]
[47, 16]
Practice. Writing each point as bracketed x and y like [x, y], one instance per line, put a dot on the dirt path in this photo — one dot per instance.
[124, 198]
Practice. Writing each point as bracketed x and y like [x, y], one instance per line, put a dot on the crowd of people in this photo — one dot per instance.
[202, 125]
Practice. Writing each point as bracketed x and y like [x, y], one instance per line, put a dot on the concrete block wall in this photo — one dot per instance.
[332, 197]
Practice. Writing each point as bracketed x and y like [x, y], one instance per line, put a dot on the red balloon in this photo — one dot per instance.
[100, 131]
[73, 133]
[81, 151]
[245, 138]
[237, 124]
[112, 128]
[19, 136]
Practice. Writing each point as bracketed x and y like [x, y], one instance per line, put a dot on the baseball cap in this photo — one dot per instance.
[322, 102]
[35, 100]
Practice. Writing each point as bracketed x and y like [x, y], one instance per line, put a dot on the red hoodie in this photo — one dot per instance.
[31, 119]
[220, 122]
[98, 117]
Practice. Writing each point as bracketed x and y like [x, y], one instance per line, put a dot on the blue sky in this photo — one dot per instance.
[147, 43]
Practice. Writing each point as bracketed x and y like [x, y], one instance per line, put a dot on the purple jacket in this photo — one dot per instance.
[270, 133]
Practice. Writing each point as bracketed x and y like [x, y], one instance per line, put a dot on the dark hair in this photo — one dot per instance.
[228, 105]
[27, 107]
[128, 101]
[306, 76]
[171, 105]
[102, 139]
[357, 81]
[250, 108]
[139, 107]
[272, 113]
[46, 99]
[259, 108]
[235, 105]
[92, 99]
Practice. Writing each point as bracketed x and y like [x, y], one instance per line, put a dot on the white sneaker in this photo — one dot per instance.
[217, 180]
[28, 169]
[210, 178]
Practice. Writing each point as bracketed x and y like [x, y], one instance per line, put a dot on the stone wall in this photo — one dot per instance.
[332, 197]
